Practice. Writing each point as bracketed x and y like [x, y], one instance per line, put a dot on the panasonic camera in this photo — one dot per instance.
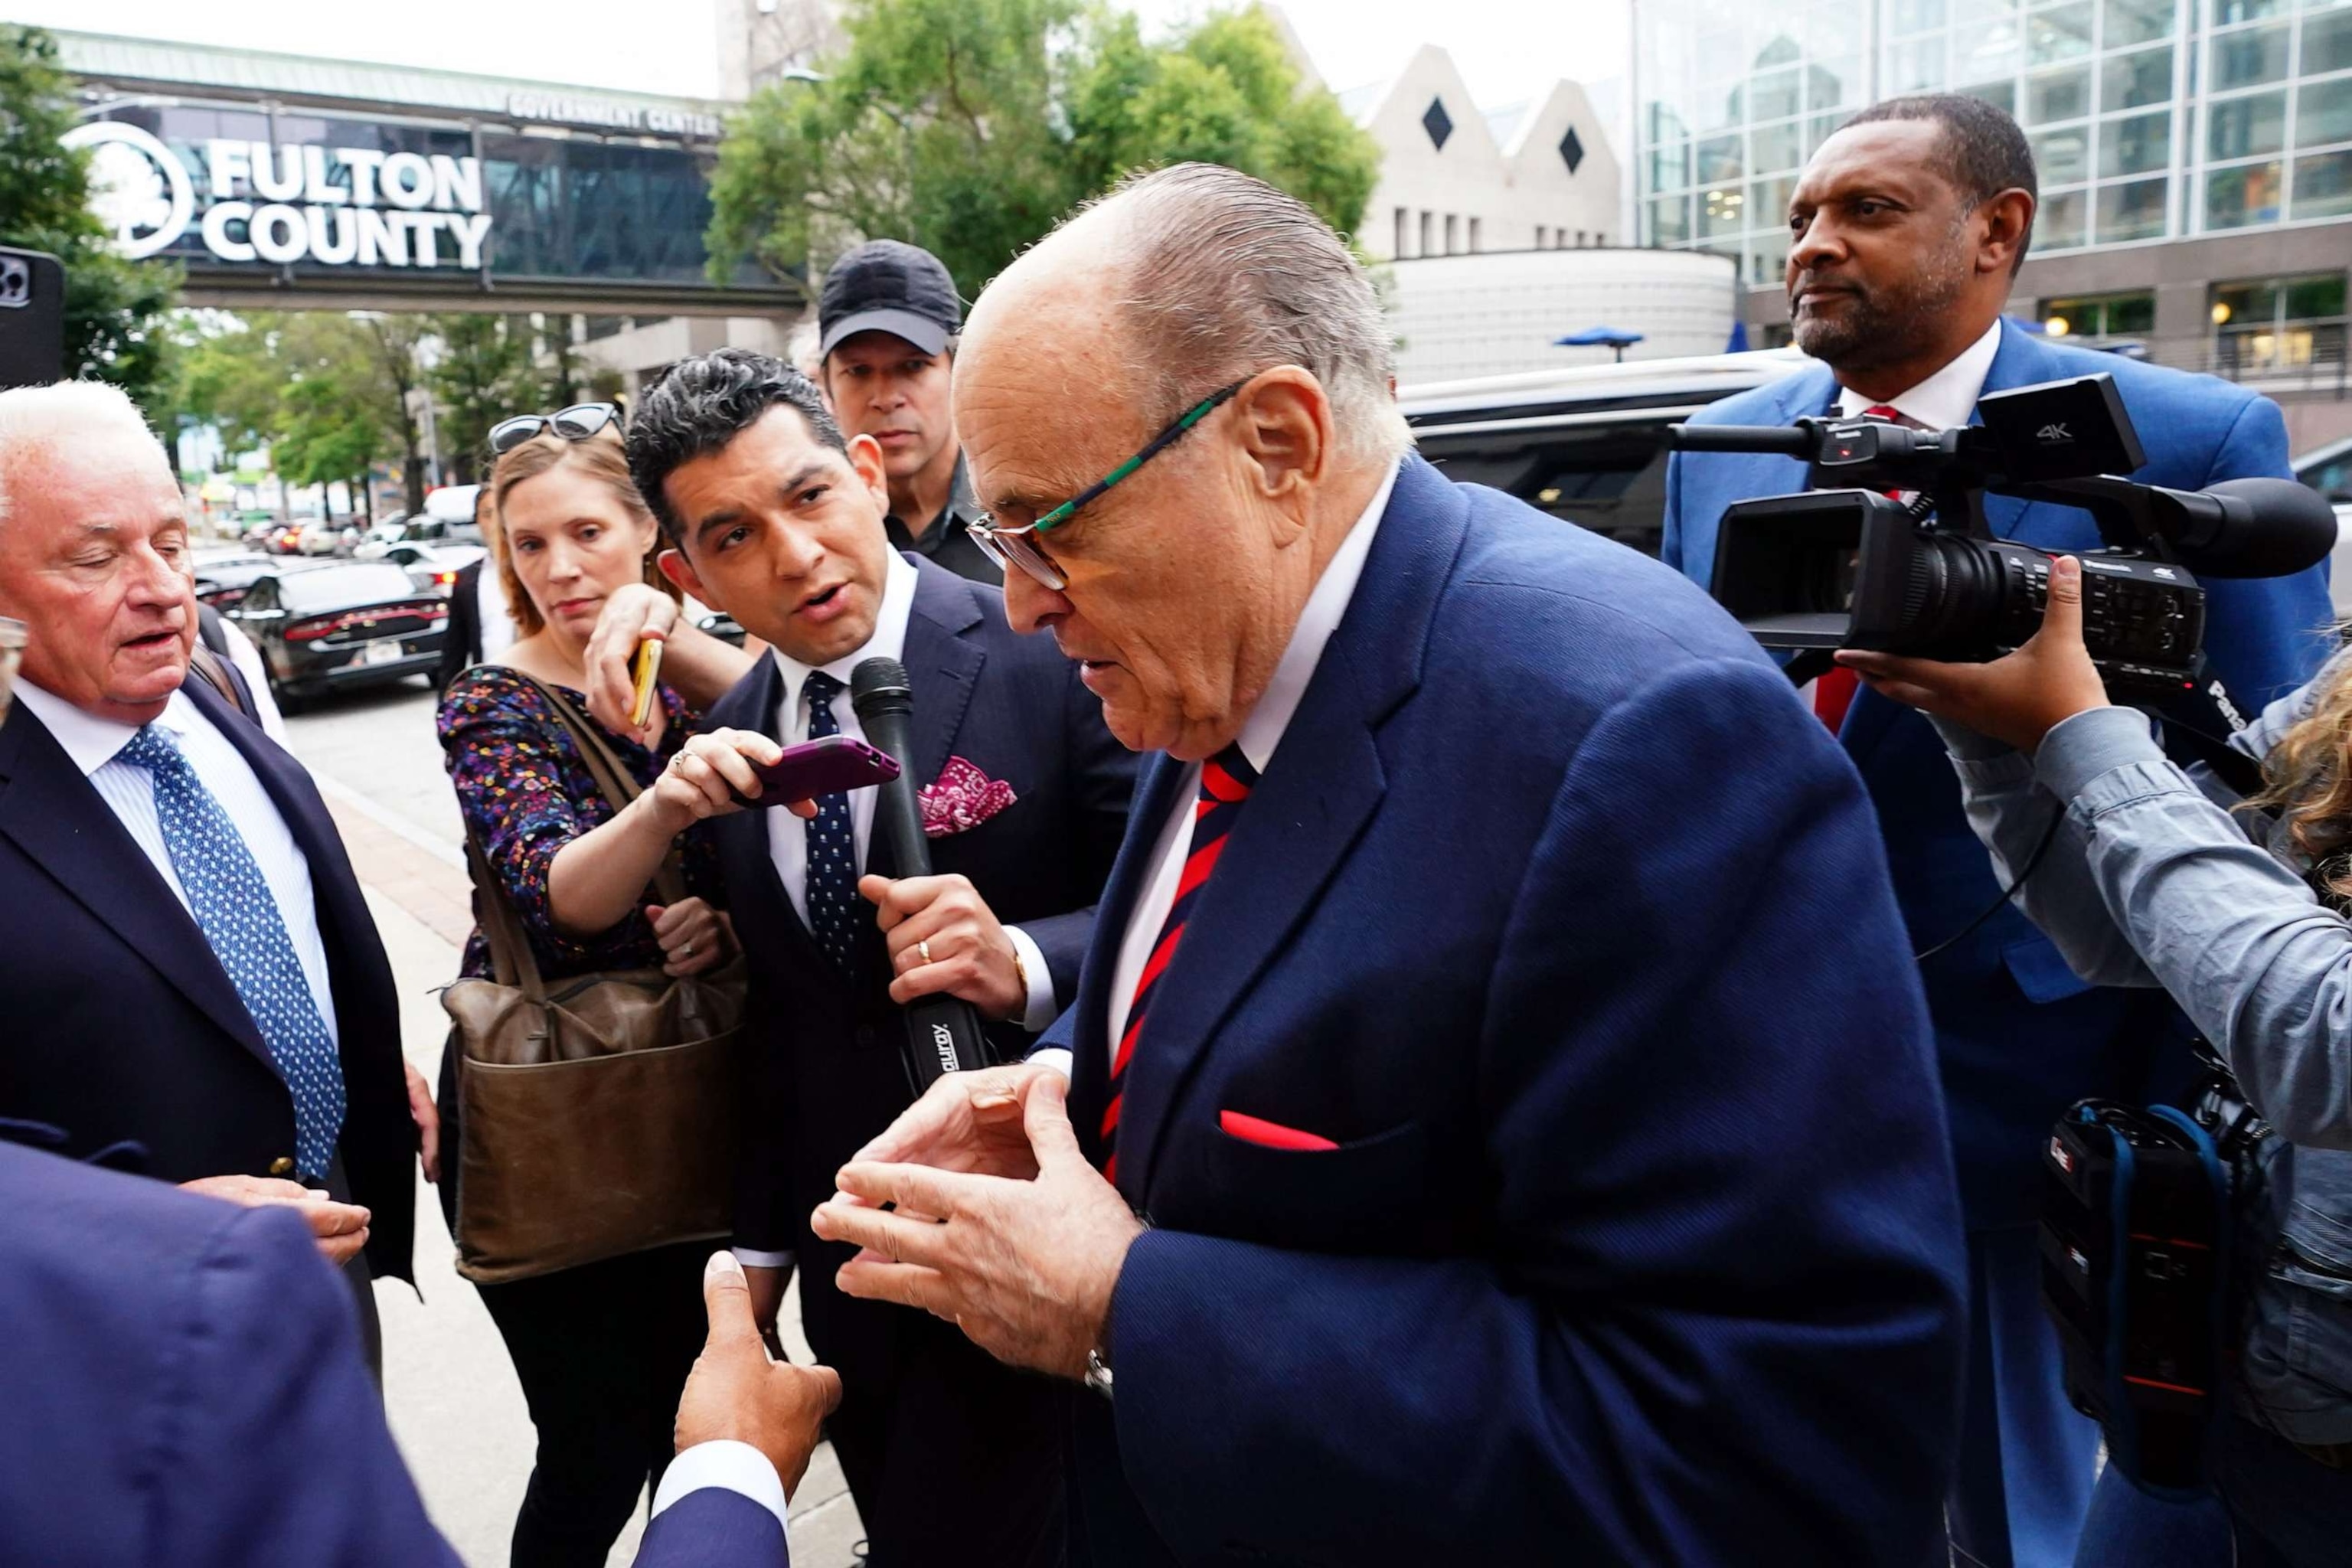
[1893, 549]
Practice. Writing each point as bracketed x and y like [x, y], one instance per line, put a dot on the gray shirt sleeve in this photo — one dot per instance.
[2151, 880]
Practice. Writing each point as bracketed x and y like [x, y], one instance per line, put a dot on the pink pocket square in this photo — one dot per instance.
[963, 798]
[1269, 1134]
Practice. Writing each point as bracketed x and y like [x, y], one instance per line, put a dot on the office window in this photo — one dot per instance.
[2099, 315]
[2060, 223]
[2058, 95]
[1539, 237]
[1428, 233]
[2062, 157]
[2136, 145]
[1474, 246]
[2133, 209]
[2266, 323]
[1453, 233]
[2248, 58]
[2237, 127]
[2137, 22]
[1600, 239]
[1398, 247]
[2322, 186]
[2136, 81]
[1579, 239]
[2248, 193]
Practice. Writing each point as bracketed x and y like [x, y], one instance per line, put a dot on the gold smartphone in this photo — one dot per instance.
[648, 671]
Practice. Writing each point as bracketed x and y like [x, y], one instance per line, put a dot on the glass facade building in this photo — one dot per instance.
[2151, 119]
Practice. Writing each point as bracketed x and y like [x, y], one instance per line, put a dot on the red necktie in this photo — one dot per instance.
[1834, 690]
[1226, 780]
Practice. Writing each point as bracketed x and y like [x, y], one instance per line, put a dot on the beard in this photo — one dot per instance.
[1884, 324]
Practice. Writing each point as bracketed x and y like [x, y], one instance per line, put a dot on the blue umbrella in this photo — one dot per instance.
[1616, 338]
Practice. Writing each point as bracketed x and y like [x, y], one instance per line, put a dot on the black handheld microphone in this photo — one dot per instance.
[944, 1033]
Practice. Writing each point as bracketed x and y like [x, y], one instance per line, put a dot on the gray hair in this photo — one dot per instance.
[35, 421]
[1221, 275]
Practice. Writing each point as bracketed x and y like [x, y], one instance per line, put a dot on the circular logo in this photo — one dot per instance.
[138, 188]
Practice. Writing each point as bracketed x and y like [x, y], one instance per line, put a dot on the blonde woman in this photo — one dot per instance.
[603, 1349]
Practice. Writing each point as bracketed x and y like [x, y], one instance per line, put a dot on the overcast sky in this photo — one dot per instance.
[1507, 49]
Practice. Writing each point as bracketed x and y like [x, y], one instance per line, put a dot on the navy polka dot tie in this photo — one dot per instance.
[834, 906]
[239, 917]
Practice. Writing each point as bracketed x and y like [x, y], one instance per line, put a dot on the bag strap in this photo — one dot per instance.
[613, 780]
[513, 963]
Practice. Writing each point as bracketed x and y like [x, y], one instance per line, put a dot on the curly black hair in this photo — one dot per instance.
[704, 403]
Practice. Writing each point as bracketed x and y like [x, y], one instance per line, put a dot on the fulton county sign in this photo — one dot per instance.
[280, 203]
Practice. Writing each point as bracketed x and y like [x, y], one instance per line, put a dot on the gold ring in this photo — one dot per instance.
[924, 949]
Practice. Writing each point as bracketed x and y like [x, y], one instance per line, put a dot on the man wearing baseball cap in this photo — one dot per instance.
[888, 320]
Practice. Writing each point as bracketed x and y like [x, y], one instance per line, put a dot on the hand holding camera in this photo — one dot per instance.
[2017, 699]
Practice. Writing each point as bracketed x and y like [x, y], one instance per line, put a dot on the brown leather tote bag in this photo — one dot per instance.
[598, 1113]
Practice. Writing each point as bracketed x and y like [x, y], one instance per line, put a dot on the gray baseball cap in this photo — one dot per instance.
[889, 286]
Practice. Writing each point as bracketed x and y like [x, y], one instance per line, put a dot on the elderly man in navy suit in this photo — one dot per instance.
[1500, 1123]
[779, 520]
[183, 1386]
[187, 961]
[1909, 223]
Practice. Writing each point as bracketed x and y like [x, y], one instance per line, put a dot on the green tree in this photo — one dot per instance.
[116, 311]
[968, 127]
[482, 370]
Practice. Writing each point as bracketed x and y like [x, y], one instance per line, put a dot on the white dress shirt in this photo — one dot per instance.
[1261, 736]
[1945, 400]
[492, 615]
[788, 835]
[128, 791]
[248, 660]
[722, 1462]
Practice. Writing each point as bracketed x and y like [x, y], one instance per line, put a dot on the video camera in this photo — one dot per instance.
[1853, 564]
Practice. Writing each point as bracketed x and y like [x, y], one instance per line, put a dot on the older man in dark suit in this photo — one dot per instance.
[1498, 1009]
[189, 965]
[777, 519]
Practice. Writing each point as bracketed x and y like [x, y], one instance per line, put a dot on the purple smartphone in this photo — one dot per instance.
[828, 767]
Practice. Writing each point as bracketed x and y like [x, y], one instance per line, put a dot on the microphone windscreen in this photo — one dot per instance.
[878, 679]
[2276, 527]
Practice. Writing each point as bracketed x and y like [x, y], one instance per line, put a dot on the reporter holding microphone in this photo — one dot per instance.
[2156, 877]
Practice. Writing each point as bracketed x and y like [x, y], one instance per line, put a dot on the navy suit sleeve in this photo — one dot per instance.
[274, 1447]
[713, 1527]
[2265, 636]
[1719, 1321]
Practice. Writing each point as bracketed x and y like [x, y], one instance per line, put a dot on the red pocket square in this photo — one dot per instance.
[1269, 1134]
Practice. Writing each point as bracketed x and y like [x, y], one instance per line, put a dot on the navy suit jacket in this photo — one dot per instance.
[2021, 1038]
[182, 1385]
[825, 1046]
[123, 1026]
[1639, 1243]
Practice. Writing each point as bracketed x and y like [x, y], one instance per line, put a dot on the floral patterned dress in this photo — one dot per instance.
[526, 791]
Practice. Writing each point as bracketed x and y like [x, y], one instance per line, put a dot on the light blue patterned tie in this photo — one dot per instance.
[238, 915]
[834, 906]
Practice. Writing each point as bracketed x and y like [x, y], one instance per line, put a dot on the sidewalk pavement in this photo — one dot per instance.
[455, 1407]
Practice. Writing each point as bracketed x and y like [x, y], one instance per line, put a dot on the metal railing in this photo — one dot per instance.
[2307, 360]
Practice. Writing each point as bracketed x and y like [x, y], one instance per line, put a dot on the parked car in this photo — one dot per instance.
[447, 517]
[1586, 445]
[222, 580]
[346, 623]
[432, 567]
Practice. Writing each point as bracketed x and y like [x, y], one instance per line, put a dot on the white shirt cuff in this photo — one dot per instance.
[1054, 1056]
[723, 1462]
[1041, 1010]
[750, 1259]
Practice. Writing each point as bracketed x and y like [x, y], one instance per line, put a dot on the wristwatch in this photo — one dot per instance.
[1097, 1373]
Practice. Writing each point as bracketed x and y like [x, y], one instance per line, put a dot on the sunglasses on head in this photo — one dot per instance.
[576, 423]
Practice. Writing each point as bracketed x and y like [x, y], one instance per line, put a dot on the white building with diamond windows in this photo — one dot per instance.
[1457, 179]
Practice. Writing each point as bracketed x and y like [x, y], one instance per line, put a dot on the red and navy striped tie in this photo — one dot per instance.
[1226, 780]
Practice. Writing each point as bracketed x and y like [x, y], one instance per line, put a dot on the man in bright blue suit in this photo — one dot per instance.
[1500, 1123]
[1910, 224]
[181, 1385]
